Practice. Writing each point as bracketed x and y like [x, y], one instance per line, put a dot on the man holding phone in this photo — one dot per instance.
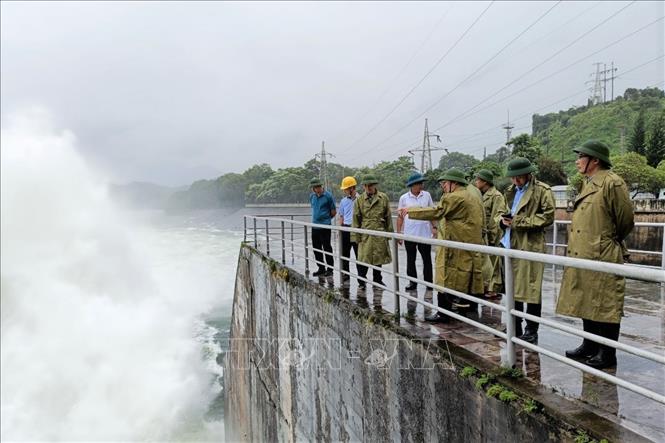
[532, 207]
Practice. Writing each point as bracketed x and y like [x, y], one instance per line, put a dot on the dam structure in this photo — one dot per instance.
[324, 359]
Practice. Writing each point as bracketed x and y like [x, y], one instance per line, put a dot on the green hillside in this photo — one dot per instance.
[561, 131]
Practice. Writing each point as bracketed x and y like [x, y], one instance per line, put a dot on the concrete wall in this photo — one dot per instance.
[307, 364]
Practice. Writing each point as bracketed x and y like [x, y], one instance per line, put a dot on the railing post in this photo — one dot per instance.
[554, 237]
[267, 239]
[256, 235]
[339, 257]
[554, 241]
[283, 244]
[662, 251]
[662, 266]
[292, 256]
[396, 277]
[510, 305]
[306, 252]
[244, 229]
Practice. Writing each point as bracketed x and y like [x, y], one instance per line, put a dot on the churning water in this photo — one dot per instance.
[111, 323]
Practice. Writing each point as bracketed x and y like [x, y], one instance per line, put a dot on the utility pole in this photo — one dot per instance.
[323, 170]
[508, 127]
[604, 83]
[611, 71]
[426, 150]
[484, 152]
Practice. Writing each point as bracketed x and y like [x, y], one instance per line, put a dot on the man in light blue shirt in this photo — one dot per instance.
[346, 219]
[519, 192]
[532, 210]
[323, 210]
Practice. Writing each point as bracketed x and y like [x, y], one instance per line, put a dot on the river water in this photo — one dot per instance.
[111, 320]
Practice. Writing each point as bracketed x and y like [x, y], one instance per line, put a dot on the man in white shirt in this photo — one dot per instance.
[419, 198]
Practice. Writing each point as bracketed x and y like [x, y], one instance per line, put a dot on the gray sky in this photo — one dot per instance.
[172, 92]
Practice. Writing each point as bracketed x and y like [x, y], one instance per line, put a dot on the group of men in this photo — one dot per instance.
[480, 214]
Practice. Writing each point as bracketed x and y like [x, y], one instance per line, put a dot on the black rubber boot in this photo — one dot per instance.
[606, 357]
[444, 302]
[588, 348]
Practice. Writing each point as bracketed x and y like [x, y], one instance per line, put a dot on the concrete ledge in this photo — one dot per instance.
[306, 363]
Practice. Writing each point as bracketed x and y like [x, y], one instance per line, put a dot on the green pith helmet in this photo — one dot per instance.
[485, 175]
[369, 179]
[519, 166]
[416, 177]
[454, 175]
[313, 183]
[596, 149]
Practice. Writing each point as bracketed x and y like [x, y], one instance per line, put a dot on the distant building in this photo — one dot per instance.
[561, 195]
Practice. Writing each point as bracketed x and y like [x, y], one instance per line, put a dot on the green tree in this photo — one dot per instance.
[287, 185]
[258, 173]
[457, 160]
[525, 146]
[500, 156]
[550, 171]
[232, 189]
[432, 183]
[655, 151]
[393, 176]
[636, 172]
[490, 165]
[637, 142]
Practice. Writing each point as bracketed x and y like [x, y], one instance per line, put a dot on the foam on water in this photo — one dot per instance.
[100, 314]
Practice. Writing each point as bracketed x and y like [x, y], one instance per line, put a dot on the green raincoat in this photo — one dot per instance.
[602, 219]
[372, 213]
[534, 213]
[494, 205]
[460, 215]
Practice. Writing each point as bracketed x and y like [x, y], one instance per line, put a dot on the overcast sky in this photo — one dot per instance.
[171, 92]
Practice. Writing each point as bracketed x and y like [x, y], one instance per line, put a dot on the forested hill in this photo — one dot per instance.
[563, 130]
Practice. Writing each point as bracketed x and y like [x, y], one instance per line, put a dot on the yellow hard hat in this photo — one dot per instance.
[347, 182]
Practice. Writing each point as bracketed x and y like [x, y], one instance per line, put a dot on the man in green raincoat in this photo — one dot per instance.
[371, 210]
[602, 219]
[494, 205]
[532, 207]
[460, 216]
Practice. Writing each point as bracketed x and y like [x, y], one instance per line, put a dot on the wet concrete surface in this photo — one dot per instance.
[643, 326]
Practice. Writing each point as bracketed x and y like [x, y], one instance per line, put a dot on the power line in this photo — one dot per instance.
[408, 94]
[530, 113]
[533, 68]
[440, 99]
[467, 113]
[391, 83]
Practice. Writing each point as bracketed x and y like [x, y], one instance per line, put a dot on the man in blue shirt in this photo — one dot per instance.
[323, 210]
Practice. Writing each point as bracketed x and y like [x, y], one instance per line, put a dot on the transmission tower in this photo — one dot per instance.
[323, 170]
[508, 127]
[426, 150]
[596, 88]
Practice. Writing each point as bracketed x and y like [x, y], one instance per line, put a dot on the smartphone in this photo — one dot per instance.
[507, 215]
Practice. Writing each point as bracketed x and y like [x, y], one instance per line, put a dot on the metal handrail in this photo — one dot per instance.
[640, 273]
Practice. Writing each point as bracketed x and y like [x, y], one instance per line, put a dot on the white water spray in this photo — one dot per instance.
[97, 325]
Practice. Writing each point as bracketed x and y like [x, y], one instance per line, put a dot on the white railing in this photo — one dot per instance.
[555, 237]
[649, 274]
